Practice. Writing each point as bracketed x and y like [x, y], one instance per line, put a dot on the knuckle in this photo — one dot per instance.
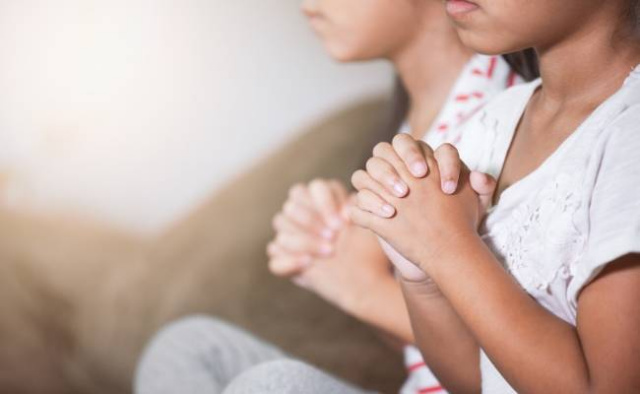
[399, 138]
[357, 179]
[387, 171]
[403, 140]
[303, 217]
[360, 199]
[371, 164]
[447, 147]
[368, 197]
[446, 150]
[289, 208]
[380, 148]
[296, 190]
[413, 155]
[316, 183]
[272, 250]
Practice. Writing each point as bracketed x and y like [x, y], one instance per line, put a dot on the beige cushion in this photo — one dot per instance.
[78, 301]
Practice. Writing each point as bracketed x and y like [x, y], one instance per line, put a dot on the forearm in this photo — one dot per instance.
[383, 308]
[533, 349]
[447, 345]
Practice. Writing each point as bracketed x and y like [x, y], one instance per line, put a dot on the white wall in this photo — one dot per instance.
[131, 111]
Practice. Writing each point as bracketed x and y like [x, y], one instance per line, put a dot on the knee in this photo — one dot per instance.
[285, 366]
[183, 336]
[282, 376]
[181, 340]
[190, 326]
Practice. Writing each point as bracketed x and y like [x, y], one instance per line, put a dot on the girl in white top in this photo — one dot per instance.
[315, 245]
[544, 297]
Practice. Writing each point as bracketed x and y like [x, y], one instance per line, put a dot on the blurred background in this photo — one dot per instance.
[131, 111]
[144, 147]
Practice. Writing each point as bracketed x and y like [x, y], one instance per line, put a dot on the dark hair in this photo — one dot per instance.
[524, 62]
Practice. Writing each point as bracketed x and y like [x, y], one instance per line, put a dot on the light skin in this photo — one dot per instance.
[586, 50]
[316, 244]
[403, 32]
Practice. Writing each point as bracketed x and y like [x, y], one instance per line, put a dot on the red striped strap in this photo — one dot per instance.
[416, 366]
[432, 389]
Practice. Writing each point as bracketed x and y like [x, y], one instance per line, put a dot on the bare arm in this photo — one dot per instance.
[383, 308]
[532, 348]
[356, 276]
[599, 356]
[447, 345]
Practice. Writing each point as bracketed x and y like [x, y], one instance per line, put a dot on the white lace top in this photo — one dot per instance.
[557, 228]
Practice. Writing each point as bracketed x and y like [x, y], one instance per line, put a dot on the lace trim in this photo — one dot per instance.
[540, 241]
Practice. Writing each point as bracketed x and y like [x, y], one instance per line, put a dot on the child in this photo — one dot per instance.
[446, 83]
[544, 297]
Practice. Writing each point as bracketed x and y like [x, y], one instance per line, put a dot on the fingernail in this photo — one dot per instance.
[449, 187]
[400, 189]
[388, 210]
[326, 249]
[419, 169]
[327, 233]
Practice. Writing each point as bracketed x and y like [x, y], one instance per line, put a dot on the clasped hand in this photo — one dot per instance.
[423, 203]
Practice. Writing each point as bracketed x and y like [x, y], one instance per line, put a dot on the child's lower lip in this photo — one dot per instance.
[458, 7]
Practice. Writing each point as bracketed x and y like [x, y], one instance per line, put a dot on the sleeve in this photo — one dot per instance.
[614, 207]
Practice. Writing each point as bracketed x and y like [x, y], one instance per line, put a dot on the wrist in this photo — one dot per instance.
[453, 251]
[426, 287]
[362, 301]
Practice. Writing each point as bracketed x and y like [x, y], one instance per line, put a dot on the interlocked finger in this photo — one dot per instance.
[371, 202]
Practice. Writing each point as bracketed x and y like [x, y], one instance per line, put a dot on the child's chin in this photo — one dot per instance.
[345, 54]
[487, 44]
[341, 55]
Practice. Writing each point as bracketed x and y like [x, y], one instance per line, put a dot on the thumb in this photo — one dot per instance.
[485, 186]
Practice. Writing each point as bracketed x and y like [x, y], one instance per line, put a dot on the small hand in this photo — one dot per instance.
[443, 184]
[393, 165]
[315, 216]
[357, 268]
[307, 226]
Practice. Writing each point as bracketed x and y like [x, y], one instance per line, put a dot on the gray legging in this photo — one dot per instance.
[202, 355]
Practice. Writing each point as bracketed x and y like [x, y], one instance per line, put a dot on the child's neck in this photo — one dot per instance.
[428, 67]
[578, 74]
[588, 66]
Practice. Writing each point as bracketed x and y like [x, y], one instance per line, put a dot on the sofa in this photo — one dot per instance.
[79, 300]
